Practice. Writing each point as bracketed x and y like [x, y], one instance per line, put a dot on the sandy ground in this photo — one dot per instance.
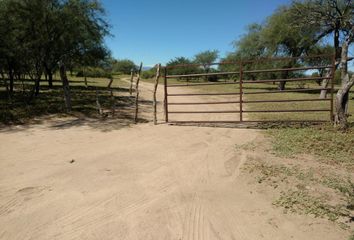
[69, 179]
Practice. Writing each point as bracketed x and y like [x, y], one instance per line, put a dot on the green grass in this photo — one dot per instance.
[301, 202]
[325, 143]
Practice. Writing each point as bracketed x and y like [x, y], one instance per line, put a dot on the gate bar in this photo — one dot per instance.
[241, 91]
[251, 121]
[285, 111]
[201, 94]
[288, 80]
[166, 94]
[201, 84]
[202, 112]
[253, 101]
[287, 91]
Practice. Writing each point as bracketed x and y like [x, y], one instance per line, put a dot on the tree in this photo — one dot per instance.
[342, 97]
[331, 18]
[275, 37]
[41, 36]
[185, 66]
[124, 66]
[251, 44]
[206, 58]
[281, 38]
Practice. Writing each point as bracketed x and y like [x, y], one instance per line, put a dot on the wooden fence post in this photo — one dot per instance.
[333, 73]
[155, 90]
[131, 82]
[99, 108]
[137, 94]
[241, 91]
[165, 98]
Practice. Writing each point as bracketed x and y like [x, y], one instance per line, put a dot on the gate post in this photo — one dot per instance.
[166, 100]
[332, 86]
[241, 91]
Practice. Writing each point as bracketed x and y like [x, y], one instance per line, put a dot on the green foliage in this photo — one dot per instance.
[94, 72]
[151, 73]
[41, 33]
[38, 36]
[251, 45]
[206, 58]
[181, 61]
[124, 66]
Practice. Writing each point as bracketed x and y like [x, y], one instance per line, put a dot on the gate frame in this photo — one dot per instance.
[241, 92]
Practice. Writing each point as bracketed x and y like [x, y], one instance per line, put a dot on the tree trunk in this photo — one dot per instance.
[66, 87]
[337, 49]
[50, 78]
[37, 86]
[342, 97]
[11, 78]
[281, 86]
[325, 82]
[285, 75]
[6, 85]
[85, 78]
[337, 53]
[341, 117]
[34, 91]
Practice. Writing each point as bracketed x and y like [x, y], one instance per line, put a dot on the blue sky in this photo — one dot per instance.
[157, 30]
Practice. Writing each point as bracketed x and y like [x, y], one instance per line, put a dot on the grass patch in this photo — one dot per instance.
[307, 191]
[351, 237]
[301, 202]
[325, 143]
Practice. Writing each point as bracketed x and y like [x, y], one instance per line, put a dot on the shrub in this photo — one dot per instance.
[124, 66]
[94, 72]
[149, 73]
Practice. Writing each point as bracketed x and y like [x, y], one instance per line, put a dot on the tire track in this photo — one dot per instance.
[196, 224]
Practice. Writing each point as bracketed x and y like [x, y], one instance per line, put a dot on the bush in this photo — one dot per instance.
[149, 73]
[124, 66]
[94, 72]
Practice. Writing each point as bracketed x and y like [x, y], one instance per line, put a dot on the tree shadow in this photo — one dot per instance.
[118, 109]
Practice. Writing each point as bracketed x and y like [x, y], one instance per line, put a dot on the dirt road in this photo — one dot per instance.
[67, 179]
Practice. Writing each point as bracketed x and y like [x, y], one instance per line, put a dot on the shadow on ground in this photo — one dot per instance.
[17, 113]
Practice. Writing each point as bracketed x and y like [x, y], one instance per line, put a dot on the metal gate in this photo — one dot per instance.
[241, 72]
